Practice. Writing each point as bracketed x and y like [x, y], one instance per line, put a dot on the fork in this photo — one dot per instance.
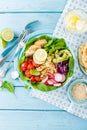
[20, 45]
[10, 50]
[6, 53]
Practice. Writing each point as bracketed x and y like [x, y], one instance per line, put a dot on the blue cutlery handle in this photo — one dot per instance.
[9, 49]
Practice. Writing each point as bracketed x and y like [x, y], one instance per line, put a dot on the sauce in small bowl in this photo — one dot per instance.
[75, 21]
[77, 92]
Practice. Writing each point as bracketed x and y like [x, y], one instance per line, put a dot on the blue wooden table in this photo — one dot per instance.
[23, 112]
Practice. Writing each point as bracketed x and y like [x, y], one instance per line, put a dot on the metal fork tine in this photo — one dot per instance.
[26, 32]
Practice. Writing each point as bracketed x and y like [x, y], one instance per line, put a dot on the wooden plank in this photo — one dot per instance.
[34, 120]
[22, 100]
[34, 6]
[17, 21]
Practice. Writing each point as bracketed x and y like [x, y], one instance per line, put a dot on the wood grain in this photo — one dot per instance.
[22, 100]
[42, 120]
[31, 6]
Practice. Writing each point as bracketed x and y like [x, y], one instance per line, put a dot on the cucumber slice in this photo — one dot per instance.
[7, 34]
[34, 72]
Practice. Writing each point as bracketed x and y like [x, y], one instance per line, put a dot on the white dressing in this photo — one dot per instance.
[14, 75]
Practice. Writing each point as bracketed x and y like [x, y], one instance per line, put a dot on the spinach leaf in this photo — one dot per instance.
[42, 87]
[48, 38]
[71, 66]
[26, 86]
[55, 44]
[23, 77]
[9, 86]
[49, 43]
[71, 63]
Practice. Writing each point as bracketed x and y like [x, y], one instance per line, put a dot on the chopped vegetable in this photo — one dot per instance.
[27, 73]
[32, 78]
[63, 67]
[24, 66]
[30, 66]
[49, 82]
[35, 64]
[55, 45]
[3, 43]
[45, 80]
[61, 56]
[34, 72]
[37, 78]
[57, 84]
[58, 77]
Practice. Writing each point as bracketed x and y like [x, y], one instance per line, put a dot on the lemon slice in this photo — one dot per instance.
[3, 43]
[71, 19]
[40, 55]
[36, 61]
[7, 35]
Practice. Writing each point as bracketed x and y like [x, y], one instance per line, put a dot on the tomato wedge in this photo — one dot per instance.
[37, 78]
[27, 73]
[35, 64]
[24, 66]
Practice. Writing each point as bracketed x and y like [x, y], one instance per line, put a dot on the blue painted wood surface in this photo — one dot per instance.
[21, 111]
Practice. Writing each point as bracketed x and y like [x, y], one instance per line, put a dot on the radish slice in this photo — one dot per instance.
[45, 80]
[51, 76]
[49, 82]
[57, 84]
[54, 82]
[63, 78]
[58, 77]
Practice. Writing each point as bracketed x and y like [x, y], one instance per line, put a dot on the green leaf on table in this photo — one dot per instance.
[26, 86]
[9, 86]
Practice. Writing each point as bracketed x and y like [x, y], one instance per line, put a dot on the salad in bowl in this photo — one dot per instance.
[46, 63]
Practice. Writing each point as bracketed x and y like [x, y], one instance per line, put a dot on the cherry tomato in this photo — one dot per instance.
[27, 73]
[24, 66]
[29, 59]
[32, 78]
[30, 66]
[37, 78]
[35, 64]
